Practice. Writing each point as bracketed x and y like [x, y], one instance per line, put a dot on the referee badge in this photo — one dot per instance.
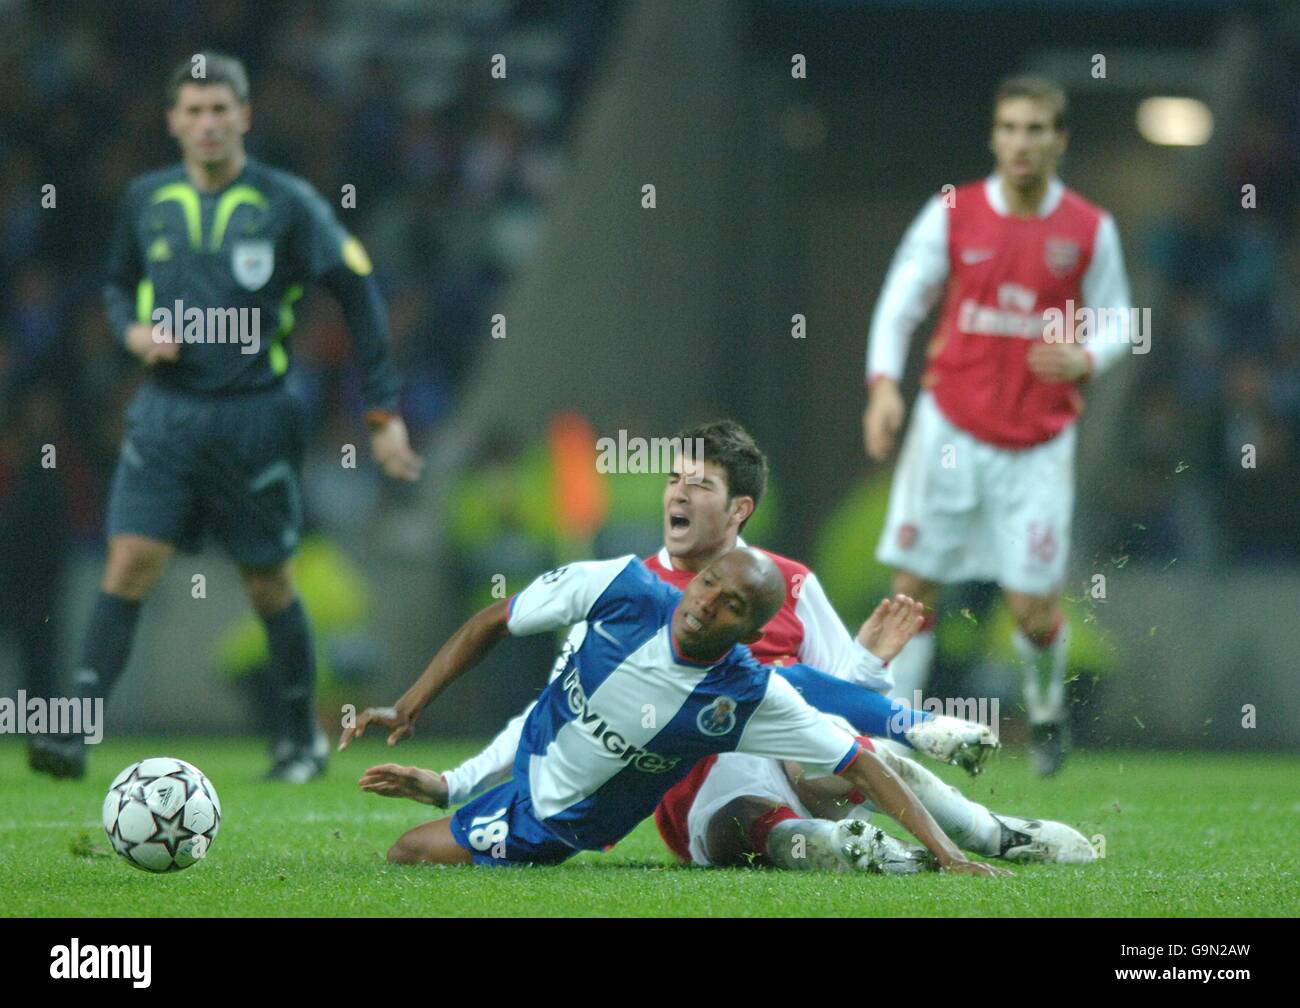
[252, 263]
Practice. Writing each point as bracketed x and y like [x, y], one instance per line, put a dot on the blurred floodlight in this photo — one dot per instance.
[1175, 122]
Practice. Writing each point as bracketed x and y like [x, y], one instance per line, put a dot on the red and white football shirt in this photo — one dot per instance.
[1002, 274]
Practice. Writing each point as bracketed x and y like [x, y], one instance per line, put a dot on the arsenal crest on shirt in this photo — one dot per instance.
[1062, 255]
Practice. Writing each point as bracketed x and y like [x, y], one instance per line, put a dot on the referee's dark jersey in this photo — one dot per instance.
[253, 244]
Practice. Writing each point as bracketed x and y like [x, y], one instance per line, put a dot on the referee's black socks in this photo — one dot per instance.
[106, 645]
[293, 671]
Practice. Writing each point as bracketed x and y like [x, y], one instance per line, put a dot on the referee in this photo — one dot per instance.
[207, 260]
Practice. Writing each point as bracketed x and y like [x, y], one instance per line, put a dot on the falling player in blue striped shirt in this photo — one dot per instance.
[659, 679]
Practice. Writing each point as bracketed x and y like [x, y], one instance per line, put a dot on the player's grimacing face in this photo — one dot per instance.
[1026, 143]
[716, 609]
[697, 513]
[208, 122]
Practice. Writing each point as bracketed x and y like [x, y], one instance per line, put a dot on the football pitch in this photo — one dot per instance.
[1184, 834]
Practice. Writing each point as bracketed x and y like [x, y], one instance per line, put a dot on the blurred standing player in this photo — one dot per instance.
[213, 440]
[984, 485]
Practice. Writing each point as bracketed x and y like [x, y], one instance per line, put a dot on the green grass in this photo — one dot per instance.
[1186, 834]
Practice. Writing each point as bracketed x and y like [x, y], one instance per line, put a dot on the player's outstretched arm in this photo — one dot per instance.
[463, 650]
[888, 792]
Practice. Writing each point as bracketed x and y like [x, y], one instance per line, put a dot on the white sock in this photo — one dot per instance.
[803, 844]
[1044, 674]
[911, 667]
[969, 824]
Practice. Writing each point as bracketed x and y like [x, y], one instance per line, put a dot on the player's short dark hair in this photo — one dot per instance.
[731, 448]
[217, 68]
[1040, 89]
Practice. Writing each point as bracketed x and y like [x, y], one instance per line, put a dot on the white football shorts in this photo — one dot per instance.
[961, 509]
[732, 776]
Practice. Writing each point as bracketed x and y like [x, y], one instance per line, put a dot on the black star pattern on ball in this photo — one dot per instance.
[133, 778]
[170, 832]
[121, 845]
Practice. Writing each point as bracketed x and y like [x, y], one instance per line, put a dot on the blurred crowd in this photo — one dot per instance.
[450, 165]
[1220, 392]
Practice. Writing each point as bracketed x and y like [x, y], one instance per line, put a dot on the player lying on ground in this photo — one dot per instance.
[707, 501]
[728, 812]
[661, 681]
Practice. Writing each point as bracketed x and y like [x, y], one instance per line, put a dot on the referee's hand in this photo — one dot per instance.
[392, 450]
[151, 350]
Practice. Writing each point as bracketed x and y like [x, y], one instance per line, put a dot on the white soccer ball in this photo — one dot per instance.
[162, 814]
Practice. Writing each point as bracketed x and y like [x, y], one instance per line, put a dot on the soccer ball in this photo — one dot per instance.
[161, 814]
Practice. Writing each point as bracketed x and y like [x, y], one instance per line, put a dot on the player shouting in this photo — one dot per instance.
[224, 245]
[704, 511]
[707, 502]
[984, 485]
[659, 681]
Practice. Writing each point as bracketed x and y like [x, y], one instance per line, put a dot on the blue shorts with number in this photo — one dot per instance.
[211, 463]
[500, 828]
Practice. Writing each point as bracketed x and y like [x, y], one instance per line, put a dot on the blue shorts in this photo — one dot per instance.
[499, 828]
[227, 465]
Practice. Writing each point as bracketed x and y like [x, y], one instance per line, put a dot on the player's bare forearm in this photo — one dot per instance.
[888, 793]
[464, 649]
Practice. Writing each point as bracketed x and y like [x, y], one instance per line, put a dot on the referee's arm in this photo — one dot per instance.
[124, 299]
[339, 263]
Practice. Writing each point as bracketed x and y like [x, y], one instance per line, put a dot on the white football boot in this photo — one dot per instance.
[955, 741]
[1043, 841]
[847, 845]
[874, 850]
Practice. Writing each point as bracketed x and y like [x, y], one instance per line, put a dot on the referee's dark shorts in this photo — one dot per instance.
[225, 463]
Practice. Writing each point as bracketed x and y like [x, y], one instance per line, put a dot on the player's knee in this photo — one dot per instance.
[728, 836]
[133, 568]
[1036, 617]
[405, 852]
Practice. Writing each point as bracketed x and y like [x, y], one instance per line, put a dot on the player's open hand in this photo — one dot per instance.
[140, 341]
[393, 781]
[891, 625]
[964, 867]
[1058, 362]
[397, 721]
[882, 419]
[392, 450]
